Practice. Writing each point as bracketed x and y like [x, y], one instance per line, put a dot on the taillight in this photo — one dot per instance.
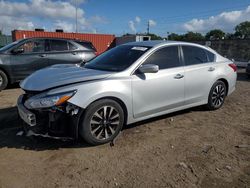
[233, 66]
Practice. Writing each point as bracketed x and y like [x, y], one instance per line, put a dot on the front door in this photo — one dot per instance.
[157, 92]
[31, 58]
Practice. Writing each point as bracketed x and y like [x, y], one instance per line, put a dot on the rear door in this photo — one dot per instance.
[63, 52]
[200, 71]
[32, 58]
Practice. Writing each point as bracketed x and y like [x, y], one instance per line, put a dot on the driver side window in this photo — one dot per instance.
[167, 57]
[33, 46]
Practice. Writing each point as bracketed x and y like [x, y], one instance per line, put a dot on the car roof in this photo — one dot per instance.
[55, 38]
[155, 43]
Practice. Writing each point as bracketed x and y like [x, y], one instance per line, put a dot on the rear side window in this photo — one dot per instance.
[165, 58]
[194, 55]
[58, 45]
[210, 56]
[72, 46]
[87, 45]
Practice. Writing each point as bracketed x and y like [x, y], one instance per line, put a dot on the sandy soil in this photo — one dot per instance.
[192, 148]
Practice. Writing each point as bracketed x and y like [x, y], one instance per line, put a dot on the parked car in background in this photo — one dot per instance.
[21, 58]
[127, 84]
[248, 69]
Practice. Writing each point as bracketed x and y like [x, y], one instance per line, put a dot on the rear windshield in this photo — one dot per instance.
[118, 58]
[87, 45]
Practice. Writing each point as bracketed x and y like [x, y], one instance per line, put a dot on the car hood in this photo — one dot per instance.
[60, 75]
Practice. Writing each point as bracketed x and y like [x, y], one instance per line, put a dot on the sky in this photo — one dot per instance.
[124, 16]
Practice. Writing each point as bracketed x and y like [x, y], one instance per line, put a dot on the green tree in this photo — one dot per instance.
[215, 34]
[192, 36]
[243, 30]
[174, 36]
[189, 36]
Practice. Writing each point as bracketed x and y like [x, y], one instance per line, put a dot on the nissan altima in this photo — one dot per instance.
[127, 84]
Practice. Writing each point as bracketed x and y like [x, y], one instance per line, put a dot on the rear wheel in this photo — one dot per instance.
[217, 95]
[3, 80]
[101, 122]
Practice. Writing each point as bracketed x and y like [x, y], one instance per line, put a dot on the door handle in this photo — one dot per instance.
[211, 69]
[178, 76]
[42, 55]
[74, 53]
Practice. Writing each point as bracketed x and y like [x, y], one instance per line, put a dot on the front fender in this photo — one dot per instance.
[89, 92]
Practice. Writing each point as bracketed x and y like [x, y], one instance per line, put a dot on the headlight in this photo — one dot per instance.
[47, 101]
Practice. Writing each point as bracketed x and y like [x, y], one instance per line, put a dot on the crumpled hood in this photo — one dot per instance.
[59, 75]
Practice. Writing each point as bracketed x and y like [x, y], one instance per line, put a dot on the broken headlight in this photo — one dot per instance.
[47, 101]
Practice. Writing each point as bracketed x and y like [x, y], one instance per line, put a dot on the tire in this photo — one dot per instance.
[97, 128]
[3, 80]
[217, 95]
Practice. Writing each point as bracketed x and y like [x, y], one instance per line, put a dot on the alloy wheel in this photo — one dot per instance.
[218, 95]
[104, 122]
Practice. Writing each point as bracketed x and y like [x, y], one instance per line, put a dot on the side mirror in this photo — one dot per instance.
[17, 51]
[148, 68]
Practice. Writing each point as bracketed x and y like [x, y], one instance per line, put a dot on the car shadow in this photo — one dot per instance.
[170, 115]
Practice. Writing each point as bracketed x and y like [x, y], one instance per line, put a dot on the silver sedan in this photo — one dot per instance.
[124, 85]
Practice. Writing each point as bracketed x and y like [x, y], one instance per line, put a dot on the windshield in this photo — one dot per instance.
[8, 46]
[117, 59]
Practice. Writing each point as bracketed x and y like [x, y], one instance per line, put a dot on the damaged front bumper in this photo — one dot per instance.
[27, 116]
[59, 121]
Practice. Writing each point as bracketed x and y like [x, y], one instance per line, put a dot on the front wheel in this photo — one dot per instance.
[217, 95]
[101, 122]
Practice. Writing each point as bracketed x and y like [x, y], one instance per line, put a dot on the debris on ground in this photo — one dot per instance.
[32, 133]
[243, 146]
[207, 148]
[183, 164]
[20, 133]
[217, 169]
[112, 142]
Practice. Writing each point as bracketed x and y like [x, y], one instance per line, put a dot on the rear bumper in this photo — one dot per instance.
[232, 80]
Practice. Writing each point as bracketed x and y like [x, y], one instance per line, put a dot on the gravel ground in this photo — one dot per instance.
[191, 148]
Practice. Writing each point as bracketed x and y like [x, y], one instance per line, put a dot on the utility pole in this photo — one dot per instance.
[76, 16]
[148, 28]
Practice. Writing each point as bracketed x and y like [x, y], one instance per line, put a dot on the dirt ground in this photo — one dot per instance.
[192, 148]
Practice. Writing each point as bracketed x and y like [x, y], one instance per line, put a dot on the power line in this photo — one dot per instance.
[148, 27]
[76, 16]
